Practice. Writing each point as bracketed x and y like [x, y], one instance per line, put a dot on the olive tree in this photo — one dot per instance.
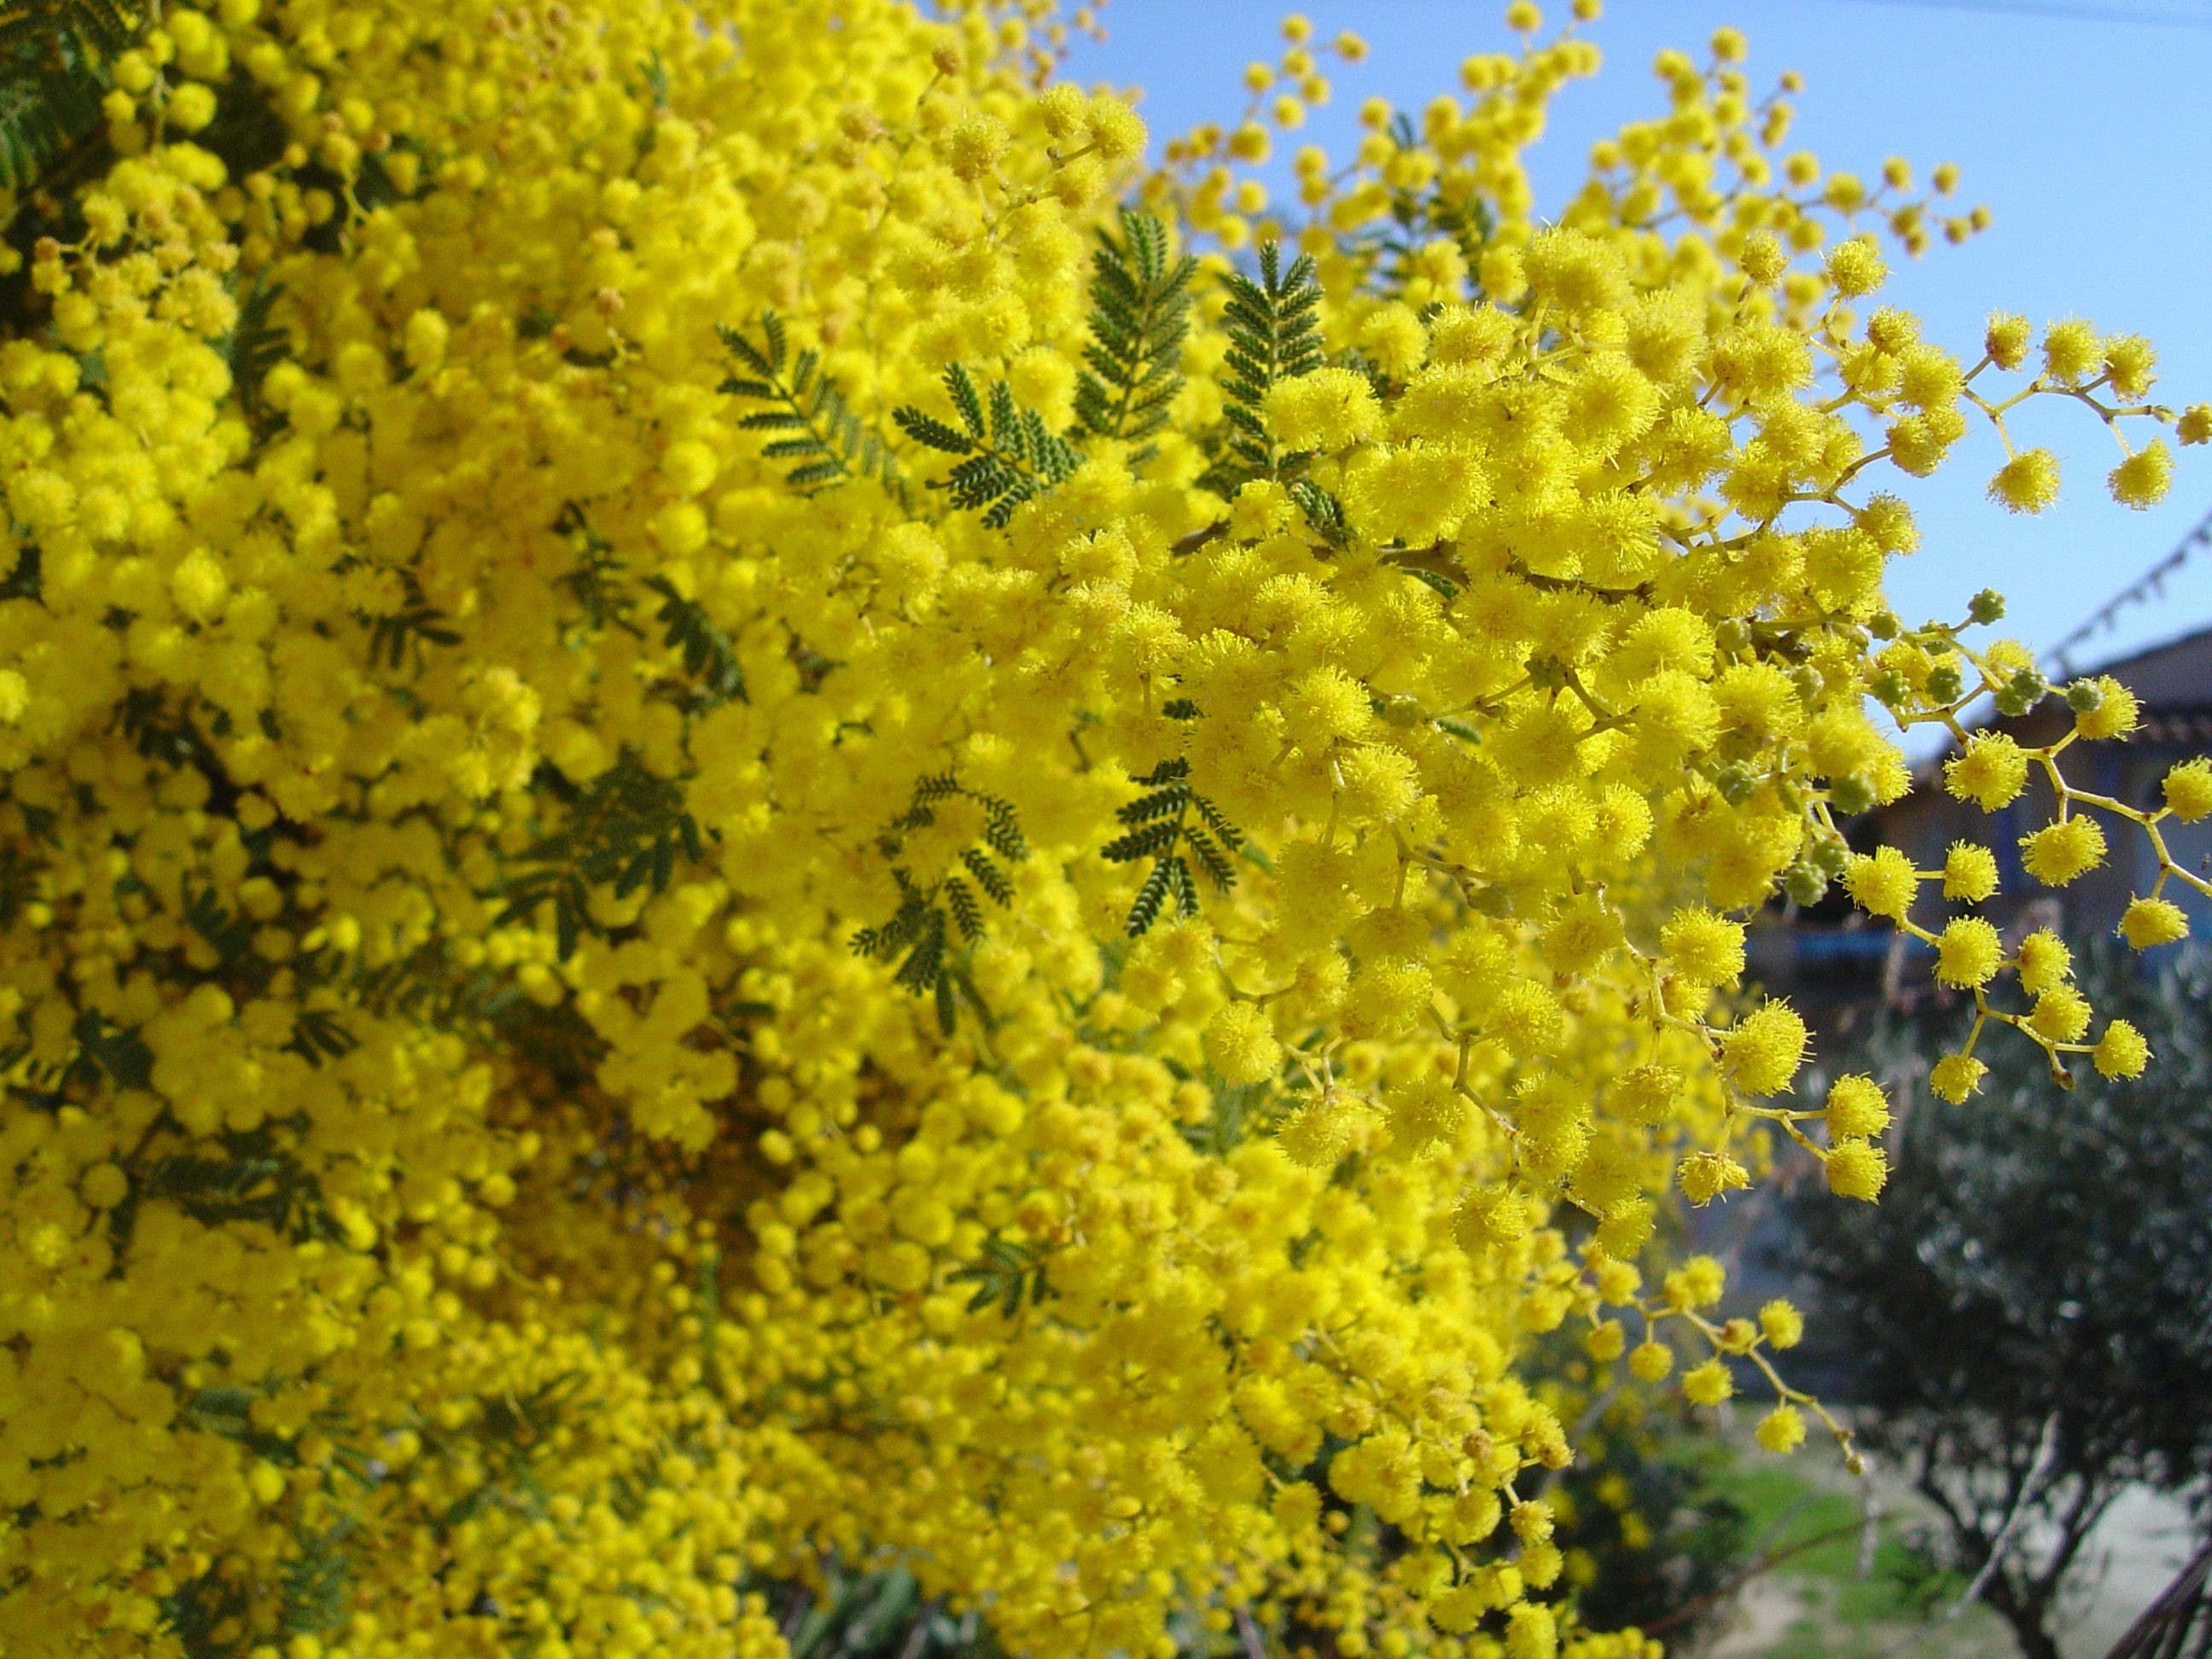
[2031, 1302]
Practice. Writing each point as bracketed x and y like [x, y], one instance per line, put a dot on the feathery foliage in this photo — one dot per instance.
[393, 639]
[254, 1178]
[829, 444]
[1163, 831]
[255, 346]
[53, 58]
[1140, 318]
[880, 1614]
[118, 1050]
[595, 578]
[1274, 335]
[1011, 458]
[1324, 516]
[625, 829]
[317, 1581]
[709, 656]
[920, 933]
[1009, 1275]
[428, 985]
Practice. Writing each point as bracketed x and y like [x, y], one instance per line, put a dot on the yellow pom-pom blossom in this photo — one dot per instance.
[1991, 772]
[2142, 479]
[1706, 1176]
[2061, 1013]
[1856, 1169]
[2112, 713]
[1708, 1383]
[2122, 1051]
[2044, 960]
[1242, 1047]
[1702, 948]
[1882, 882]
[1763, 1052]
[1970, 873]
[2028, 482]
[1968, 952]
[2059, 852]
[2152, 922]
[2188, 790]
[1782, 1430]
[1783, 1325]
[1857, 1108]
[690, 885]
[1955, 1076]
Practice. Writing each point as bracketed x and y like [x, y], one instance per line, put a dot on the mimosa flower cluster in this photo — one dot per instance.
[735, 827]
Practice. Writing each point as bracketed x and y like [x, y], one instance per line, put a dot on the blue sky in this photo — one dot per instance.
[2083, 125]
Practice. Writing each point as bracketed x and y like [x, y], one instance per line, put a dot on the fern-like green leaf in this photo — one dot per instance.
[318, 1581]
[250, 1176]
[417, 623]
[1007, 432]
[920, 970]
[1274, 335]
[709, 656]
[1150, 897]
[1210, 859]
[1417, 219]
[624, 832]
[989, 877]
[829, 441]
[1002, 832]
[229, 936]
[1140, 318]
[1225, 832]
[885, 942]
[919, 933]
[928, 429]
[1008, 1275]
[961, 388]
[592, 580]
[254, 347]
[53, 58]
[118, 1050]
[318, 1035]
[1153, 838]
[1155, 805]
[1164, 833]
[1010, 455]
[965, 911]
[1323, 512]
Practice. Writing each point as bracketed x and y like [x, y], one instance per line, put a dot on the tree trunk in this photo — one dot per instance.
[2024, 1614]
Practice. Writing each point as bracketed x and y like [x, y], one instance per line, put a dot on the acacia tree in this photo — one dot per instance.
[760, 818]
[2031, 1303]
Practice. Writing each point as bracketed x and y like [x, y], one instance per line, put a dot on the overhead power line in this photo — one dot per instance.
[2059, 11]
[2146, 588]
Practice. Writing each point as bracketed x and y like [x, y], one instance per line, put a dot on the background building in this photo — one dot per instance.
[1842, 968]
[1833, 960]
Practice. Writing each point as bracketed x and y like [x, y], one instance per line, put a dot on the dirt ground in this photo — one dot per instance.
[1818, 1605]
